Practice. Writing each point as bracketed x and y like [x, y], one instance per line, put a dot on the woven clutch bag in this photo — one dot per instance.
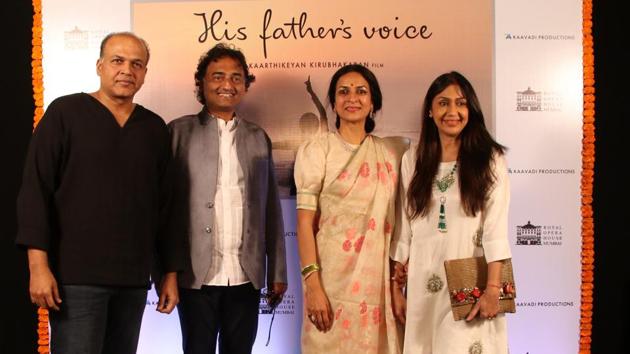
[466, 279]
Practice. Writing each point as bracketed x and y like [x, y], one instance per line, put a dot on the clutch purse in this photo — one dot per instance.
[466, 279]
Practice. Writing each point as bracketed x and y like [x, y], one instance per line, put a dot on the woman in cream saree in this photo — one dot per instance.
[346, 188]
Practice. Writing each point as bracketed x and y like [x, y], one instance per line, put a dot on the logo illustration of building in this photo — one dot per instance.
[285, 307]
[76, 39]
[528, 234]
[538, 101]
[529, 100]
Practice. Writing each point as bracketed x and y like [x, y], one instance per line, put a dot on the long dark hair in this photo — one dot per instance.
[476, 150]
[375, 91]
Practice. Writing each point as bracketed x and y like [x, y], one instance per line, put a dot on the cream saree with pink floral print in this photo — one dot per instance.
[353, 189]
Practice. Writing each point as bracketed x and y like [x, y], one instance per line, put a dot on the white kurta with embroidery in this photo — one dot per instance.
[430, 327]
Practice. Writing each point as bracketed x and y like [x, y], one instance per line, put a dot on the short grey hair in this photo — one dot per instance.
[124, 34]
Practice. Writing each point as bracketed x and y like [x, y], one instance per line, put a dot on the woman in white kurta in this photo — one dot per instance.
[439, 227]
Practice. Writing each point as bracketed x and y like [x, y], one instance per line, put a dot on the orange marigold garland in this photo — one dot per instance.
[36, 63]
[588, 165]
[43, 336]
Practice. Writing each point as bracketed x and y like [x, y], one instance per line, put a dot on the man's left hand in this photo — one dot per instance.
[277, 291]
[169, 295]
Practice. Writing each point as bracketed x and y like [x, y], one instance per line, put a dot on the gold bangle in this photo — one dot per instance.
[305, 276]
[494, 286]
[313, 267]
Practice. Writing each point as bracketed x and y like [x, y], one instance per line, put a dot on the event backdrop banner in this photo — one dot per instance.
[525, 68]
[538, 75]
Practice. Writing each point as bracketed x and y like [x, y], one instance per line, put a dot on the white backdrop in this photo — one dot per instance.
[538, 47]
[524, 59]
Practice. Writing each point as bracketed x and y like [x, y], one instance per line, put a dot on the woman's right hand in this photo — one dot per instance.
[399, 273]
[399, 302]
[318, 307]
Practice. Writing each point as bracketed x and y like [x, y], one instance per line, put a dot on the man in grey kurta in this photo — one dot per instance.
[226, 205]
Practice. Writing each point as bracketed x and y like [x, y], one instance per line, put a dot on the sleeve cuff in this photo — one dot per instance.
[307, 200]
[30, 239]
[497, 250]
[399, 252]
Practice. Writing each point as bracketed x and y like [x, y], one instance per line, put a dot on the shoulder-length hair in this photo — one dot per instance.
[474, 160]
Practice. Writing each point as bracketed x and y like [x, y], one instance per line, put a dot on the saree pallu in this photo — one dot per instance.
[356, 215]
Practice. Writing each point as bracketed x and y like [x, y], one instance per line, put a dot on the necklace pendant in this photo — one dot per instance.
[444, 184]
[442, 218]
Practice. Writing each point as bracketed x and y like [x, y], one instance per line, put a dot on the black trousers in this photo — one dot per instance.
[229, 312]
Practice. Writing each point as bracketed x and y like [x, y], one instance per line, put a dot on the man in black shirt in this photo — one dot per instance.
[94, 189]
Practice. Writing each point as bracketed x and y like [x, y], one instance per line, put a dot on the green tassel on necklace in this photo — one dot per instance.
[442, 220]
[443, 184]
